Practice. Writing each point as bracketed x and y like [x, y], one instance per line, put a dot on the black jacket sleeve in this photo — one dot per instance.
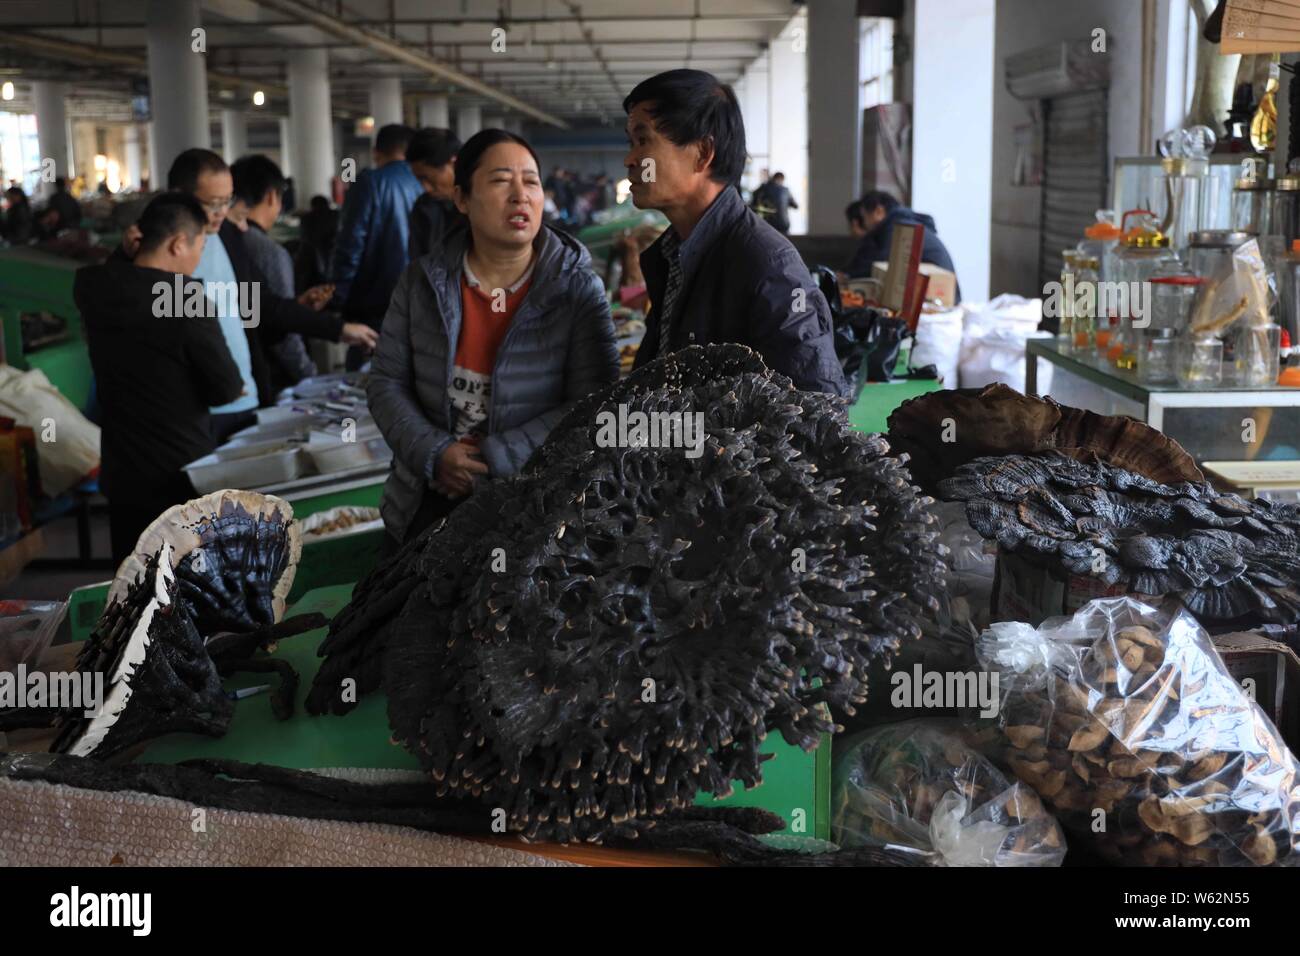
[279, 316]
[215, 371]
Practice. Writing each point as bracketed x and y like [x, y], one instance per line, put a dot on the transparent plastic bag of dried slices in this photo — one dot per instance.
[1125, 721]
[915, 785]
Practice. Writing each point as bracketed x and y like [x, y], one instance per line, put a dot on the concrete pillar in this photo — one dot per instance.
[386, 101]
[834, 115]
[311, 140]
[178, 86]
[131, 150]
[49, 99]
[234, 135]
[494, 121]
[286, 162]
[787, 110]
[952, 131]
[434, 112]
[469, 120]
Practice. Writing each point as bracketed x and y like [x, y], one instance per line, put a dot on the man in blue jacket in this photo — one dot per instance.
[872, 220]
[371, 250]
[719, 273]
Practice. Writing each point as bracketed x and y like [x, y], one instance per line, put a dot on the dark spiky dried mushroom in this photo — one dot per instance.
[592, 643]
[1226, 557]
[943, 430]
[209, 596]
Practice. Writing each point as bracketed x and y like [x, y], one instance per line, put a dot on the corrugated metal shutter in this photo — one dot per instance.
[1075, 174]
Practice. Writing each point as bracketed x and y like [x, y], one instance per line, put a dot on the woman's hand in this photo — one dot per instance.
[317, 297]
[457, 467]
[359, 334]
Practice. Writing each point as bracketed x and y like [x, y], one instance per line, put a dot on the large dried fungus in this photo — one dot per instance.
[590, 644]
[943, 430]
[1224, 556]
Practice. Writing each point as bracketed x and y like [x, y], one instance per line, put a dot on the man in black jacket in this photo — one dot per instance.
[719, 273]
[249, 312]
[157, 368]
[872, 220]
[432, 156]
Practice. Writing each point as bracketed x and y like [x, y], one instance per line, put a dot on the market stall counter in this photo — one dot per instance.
[1208, 422]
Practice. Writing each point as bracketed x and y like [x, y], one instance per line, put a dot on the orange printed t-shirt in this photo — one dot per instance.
[482, 331]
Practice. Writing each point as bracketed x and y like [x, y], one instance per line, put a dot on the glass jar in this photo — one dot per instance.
[1285, 216]
[1200, 362]
[1144, 254]
[1158, 358]
[1065, 307]
[1100, 241]
[1252, 198]
[1184, 180]
[1084, 324]
[1210, 253]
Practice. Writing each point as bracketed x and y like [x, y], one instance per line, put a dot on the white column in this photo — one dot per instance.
[178, 87]
[311, 140]
[494, 121]
[469, 120]
[952, 131]
[386, 101]
[131, 147]
[434, 112]
[787, 111]
[48, 98]
[286, 162]
[834, 114]
[234, 135]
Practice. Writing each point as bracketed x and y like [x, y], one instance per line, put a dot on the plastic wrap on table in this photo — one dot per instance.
[971, 566]
[27, 628]
[1126, 722]
[916, 786]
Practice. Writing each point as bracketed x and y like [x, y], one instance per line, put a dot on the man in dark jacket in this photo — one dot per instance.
[158, 367]
[250, 313]
[66, 205]
[432, 157]
[872, 220]
[773, 202]
[373, 244]
[718, 273]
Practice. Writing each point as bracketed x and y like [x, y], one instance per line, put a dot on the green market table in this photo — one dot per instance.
[36, 281]
[879, 399]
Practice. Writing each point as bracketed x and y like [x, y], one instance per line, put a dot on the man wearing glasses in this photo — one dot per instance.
[227, 265]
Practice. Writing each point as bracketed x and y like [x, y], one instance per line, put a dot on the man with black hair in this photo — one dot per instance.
[872, 220]
[719, 273]
[225, 266]
[373, 244]
[773, 202]
[158, 365]
[66, 205]
[259, 188]
[432, 155]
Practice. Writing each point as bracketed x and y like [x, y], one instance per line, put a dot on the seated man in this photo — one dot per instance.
[719, 273]
[157, 369]
[872, 219]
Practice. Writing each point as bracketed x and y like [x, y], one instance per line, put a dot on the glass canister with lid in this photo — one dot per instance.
[1252, 198]
[1143, 253]
[1155, 336]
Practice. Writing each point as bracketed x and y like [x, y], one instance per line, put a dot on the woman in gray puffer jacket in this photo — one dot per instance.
[487, 340]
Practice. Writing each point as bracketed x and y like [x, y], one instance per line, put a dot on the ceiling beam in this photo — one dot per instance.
[402, 53]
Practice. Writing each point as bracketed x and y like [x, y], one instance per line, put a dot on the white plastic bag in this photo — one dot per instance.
[916, 786]
[938, 343]
[1126, 722]
[67, 443]
[993, 343]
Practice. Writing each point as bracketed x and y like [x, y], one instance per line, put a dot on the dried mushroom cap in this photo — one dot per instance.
[1225, 557]
[234, 552]
[158, 677]
[944, 430]
[748, 589]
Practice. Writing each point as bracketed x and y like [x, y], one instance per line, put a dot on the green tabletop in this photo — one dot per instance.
[878, 399]
[795, 785]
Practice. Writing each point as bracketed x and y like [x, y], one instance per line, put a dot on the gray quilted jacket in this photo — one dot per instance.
[559, 348]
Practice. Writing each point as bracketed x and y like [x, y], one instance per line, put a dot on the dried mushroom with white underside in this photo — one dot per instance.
[651, 614]
[1131, 715]
[1227, 558]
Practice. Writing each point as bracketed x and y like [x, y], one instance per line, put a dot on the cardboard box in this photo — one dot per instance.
[1273, 670]
[1032, 593]
[943, 284]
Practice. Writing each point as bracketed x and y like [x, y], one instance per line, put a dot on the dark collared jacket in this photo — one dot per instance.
[744, 282]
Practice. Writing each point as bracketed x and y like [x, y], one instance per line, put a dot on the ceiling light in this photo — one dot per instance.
[7, 91]
[259, 98]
